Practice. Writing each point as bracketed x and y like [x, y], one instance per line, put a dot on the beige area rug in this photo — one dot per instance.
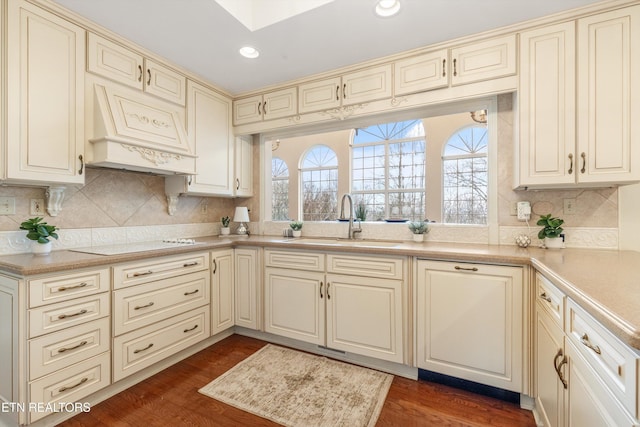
[299, 389]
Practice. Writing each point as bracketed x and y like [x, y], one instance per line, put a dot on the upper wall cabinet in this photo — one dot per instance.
[471, 63]
[45, 97]
[362, 86]
[110, 60]
[607, 54]
[269, 106]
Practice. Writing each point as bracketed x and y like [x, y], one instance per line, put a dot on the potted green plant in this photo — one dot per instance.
[40, 232]
[419, 229]
[224, 230]
[296, 226]
[551, 231]
[361, 212]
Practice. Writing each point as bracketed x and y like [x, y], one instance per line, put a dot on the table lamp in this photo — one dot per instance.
[241, 216]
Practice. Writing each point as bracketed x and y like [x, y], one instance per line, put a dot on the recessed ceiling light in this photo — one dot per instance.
[386, 8]
[249, 52]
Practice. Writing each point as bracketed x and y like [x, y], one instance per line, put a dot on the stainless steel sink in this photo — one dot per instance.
[345, 242]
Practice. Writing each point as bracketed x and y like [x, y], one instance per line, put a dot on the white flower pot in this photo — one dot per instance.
[553, 242]
[41, 248]
[225, 230]
[297, 233]
[418, 238]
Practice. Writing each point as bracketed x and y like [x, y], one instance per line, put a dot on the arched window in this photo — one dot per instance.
[319, 179]
[279, 190]
[388, 170]
[464, 166]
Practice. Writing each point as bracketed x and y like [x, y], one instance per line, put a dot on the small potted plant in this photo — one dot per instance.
[551, 231]
[361, 212]
[40, 232]
[224, 230]
[296, 226]
[419, 229]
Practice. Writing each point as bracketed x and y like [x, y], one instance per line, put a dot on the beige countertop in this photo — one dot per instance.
[603, 282]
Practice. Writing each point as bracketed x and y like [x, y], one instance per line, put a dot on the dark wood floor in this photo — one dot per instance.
[171, 398]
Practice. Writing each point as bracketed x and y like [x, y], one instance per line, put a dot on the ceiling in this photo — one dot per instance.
[204, 38]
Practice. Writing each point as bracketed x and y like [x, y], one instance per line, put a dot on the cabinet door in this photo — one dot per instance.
[45, 97]
[470, 322]
[282, 103]
[209, 132]
[247, 311]
[421, 73]
[222, 286]
[295, 304]
[244, 166]
[549, 352]
[486, 60]
[110, 60]
[165, 82]
[367, 85]
[365, 316]
[547, 106]
[320, 95]
[247, 110]
[609, 96]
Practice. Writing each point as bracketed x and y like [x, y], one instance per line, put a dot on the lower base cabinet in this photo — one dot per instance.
[470, 322]
[247, 268]
[222, 287]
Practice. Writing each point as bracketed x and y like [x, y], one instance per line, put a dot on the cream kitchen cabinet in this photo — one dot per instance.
[466, 64]
[471, 322]
[248, 288]
[222, 290]
[244, 166]
[115, 62]
[268, 106]
[346, 305]
[580, 135]
[45, 58]
[370, 84]
[209, 133]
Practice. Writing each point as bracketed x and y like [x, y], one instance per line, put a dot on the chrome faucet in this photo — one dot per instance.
[352, 229]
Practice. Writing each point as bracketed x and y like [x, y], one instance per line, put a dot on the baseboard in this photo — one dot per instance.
[474, 387]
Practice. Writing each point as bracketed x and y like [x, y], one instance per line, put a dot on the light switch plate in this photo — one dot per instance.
[36, 207]
[7, 205]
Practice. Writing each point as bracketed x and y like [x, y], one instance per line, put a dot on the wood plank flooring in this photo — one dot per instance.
[171, 398]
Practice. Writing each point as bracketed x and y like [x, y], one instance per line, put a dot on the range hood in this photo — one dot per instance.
[136, 131]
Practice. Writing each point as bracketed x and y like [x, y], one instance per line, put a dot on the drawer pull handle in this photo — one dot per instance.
[190, 264]
[455, 68]
[570, 163]
[82, 381]
[190, 329]
[144, 273]
[215, 266]
[321, 284]
[143, 349]
[138, 307]
[140, 73]
[328, 295]
[444, 70]
[149, 77]
[191, 293]
[557, 366]
[584, 339]
[63, 349]
[457, 267]
[545, 297]
[584, 162]
[64, 316]
[66, 288]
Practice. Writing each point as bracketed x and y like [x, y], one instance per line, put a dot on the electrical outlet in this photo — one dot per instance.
[569, 206]
[204, 207]
[524, 211]
[36, 207]
[7, 205]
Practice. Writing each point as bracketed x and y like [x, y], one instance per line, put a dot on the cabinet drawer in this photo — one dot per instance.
[308, 261]
[143, 305]
[54, 317]
[71, 384]
[137, 350]
[158, 268]
[370, 266]
[49, 289]
[550, 298]
[611, 359]
[52, 352]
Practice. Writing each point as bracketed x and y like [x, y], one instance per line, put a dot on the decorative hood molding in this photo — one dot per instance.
[136, 131]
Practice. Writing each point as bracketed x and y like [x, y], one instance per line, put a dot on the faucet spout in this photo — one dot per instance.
[352, 230]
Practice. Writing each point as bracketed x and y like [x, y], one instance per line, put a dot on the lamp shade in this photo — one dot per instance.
[242, 214]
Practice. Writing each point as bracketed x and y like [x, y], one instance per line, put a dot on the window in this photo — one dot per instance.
[388, 170]
[464, 165]
[279, 190]
[319, 182]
